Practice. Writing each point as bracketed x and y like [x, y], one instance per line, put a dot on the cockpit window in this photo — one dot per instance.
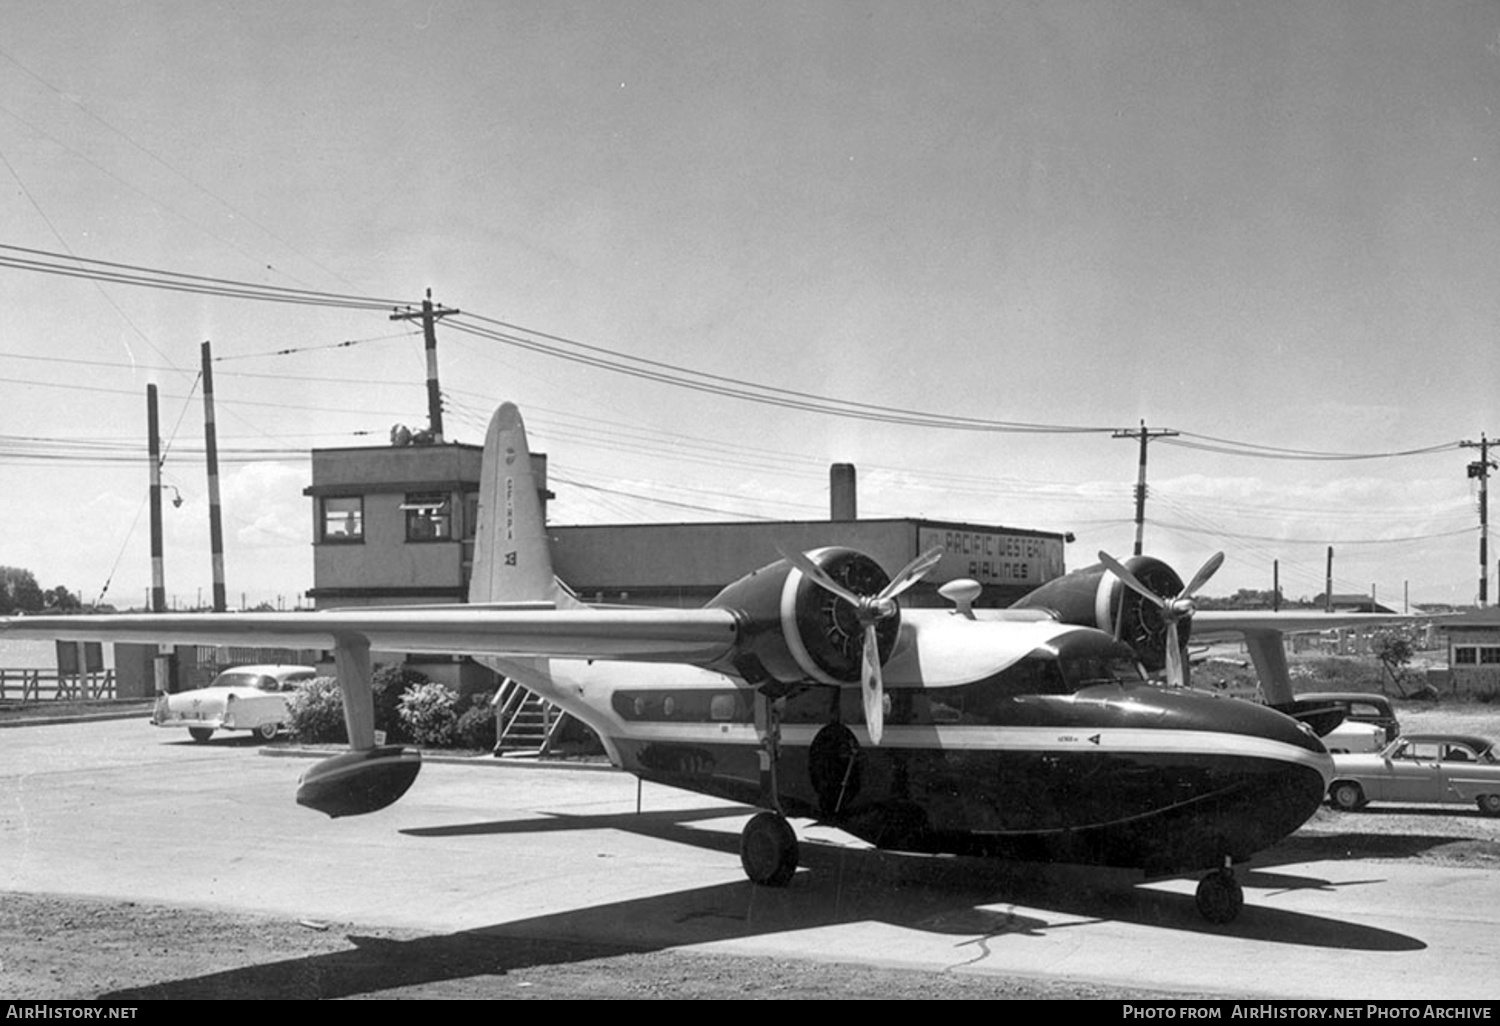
[1104, 668]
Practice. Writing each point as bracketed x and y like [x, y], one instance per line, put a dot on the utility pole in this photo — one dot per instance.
[153, 453]
[1140, 483]
[430, 316]
[215, 515]
[1481, 468]
[161, 665]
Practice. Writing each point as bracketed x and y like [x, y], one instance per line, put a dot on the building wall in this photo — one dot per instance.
[396, 555]
[685, 565]
[1474, 657]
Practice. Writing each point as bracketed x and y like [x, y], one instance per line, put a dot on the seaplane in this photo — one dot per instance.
[806, 690]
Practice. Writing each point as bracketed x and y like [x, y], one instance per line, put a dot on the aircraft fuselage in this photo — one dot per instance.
[1031, 763]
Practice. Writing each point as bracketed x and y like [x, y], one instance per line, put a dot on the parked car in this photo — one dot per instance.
[1421, 768]
[241, 698]
[1369, 725]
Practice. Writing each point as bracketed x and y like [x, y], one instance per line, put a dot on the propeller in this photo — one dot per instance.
[870, 611]
[1173, 610]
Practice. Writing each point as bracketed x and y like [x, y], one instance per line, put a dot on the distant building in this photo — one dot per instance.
[1474, 649]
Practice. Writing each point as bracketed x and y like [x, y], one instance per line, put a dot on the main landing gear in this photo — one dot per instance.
[768, 845]
[768, 849]
[1220, 896]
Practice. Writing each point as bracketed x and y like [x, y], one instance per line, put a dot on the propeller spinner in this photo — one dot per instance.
[870, 611]
[1173, 610]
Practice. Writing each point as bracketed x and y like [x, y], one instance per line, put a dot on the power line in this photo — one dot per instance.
[1228, 447]
[177, 281]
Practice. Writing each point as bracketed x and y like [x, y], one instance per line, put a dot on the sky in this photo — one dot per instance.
[1271, 228]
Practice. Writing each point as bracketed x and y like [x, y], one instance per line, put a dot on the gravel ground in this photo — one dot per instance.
[55, 947]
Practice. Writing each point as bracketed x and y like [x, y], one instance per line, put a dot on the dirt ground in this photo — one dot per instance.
[59, 947]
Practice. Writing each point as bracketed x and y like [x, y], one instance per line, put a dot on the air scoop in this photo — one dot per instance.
[358, 782]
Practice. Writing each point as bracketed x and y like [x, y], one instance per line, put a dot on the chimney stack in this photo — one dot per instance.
[842, 505]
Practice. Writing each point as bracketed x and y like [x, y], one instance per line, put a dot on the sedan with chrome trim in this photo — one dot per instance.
[252, 698]
[1421, 768]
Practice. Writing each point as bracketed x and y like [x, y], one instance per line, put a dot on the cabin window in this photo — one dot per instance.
[343, 519]
[471, 516]
[429, 516]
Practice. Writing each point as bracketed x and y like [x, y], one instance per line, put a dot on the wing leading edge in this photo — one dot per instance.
[632, 635]
[1263, 630]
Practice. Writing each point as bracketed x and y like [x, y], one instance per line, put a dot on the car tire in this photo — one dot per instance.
[267, 731]
[1489, 804]
[200, 733]
[1347, 795]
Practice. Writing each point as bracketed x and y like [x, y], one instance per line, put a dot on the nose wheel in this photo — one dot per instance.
[1220, 896]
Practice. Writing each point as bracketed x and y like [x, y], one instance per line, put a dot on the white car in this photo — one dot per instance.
[242, 698]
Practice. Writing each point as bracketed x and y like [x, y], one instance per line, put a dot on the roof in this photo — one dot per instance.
[1474, 741]
[1474, 619]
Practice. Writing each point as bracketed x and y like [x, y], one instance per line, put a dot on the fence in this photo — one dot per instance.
[53, 685]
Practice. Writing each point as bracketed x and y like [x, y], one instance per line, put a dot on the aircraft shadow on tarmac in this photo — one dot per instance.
[972, 901]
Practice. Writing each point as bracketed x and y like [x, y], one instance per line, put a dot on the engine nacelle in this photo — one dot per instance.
[794, 631]
[1095, 597]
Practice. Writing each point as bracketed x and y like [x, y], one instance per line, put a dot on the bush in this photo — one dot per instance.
[390, 682]
[315, 712]
[476, 726]
[430, 713]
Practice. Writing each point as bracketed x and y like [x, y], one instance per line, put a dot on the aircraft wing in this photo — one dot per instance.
[1262, 631]
[643, 635]
[1211, 622]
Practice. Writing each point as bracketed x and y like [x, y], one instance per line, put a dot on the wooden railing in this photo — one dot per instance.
[50, 685]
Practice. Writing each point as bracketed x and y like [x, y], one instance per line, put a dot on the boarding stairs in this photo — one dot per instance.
[525, 723]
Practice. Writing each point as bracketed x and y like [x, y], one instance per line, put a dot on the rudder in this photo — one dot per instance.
[512, 557]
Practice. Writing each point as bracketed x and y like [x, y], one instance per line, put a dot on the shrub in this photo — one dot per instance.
[430, 713]
[476, 725]
[315, 712]
[390, 682]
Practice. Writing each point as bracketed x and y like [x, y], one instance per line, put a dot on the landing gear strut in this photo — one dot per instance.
[1220, 896]
[768, 845]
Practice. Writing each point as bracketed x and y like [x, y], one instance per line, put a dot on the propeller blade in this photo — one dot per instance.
[1206, 571]
[1129, 579]
[820, 577]
[912, 572]
[873, 686]
[1176, 668]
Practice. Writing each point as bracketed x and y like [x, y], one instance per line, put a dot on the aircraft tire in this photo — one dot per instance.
[200, 733]
[1220, 897]
[1489, 804]
[768, 850]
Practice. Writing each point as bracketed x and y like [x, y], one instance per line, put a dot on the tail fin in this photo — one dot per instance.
[512, 557]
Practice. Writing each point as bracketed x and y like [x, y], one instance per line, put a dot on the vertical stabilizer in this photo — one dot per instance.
[512, 557]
